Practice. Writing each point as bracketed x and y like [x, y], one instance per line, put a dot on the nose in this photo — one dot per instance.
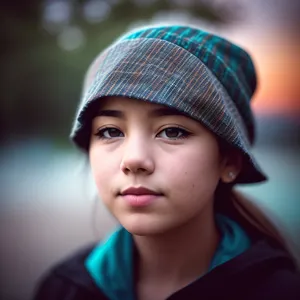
[137, 156]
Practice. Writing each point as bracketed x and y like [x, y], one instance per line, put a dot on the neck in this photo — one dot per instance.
[178, 256]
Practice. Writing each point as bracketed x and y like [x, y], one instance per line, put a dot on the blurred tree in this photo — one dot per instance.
[46, 47]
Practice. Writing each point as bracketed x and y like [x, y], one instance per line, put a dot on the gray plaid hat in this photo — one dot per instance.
[198, 73]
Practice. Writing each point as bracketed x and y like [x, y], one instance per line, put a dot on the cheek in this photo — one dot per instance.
[103, 168]
[194, 173]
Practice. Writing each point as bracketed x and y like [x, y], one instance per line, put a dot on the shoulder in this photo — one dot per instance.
[69, 279]
[273, 273]
[264, 271]
[282, 284]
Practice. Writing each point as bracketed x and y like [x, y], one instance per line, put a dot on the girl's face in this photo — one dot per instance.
[137, 144]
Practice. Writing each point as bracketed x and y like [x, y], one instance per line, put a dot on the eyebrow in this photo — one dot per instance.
[159, 112]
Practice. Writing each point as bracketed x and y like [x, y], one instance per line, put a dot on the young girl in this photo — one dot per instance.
[165, 120]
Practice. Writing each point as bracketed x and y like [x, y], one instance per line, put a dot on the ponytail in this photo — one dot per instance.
[263, 220]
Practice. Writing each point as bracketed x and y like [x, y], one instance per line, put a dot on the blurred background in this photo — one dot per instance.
[47, 207]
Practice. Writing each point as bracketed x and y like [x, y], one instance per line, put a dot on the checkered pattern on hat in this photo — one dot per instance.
[166, 65]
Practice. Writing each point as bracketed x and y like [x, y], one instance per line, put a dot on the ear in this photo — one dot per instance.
[231, 166]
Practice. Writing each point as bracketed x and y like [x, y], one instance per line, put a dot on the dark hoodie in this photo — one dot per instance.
[260, 271]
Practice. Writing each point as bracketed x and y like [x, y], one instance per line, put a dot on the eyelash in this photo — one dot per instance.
[101, 133]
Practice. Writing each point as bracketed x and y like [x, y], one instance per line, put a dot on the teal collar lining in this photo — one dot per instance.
[111, 263]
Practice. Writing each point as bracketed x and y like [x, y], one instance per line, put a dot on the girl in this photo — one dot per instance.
[165, 120]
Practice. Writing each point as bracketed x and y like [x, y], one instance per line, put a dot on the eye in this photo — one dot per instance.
[109, 133]
[174, 133]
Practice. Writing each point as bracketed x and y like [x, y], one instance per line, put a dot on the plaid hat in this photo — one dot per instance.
[198, 73]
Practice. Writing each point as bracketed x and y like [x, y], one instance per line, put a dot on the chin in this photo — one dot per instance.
[144, 225]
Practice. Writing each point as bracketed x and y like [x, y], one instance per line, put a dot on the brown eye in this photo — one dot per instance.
[174, 133]
[109, 133]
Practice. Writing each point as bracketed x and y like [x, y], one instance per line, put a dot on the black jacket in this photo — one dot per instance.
[264, 271]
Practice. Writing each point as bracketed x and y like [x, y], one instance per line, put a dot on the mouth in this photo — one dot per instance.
[137, 191]
[140, 197]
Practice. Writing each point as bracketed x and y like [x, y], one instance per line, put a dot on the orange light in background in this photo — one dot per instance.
[277, 59]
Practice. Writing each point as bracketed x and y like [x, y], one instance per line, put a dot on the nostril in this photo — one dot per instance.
[138, 165]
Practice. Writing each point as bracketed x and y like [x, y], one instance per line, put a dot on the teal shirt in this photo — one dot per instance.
[111, 264]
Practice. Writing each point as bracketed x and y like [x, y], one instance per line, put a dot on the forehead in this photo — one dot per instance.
[121, 106]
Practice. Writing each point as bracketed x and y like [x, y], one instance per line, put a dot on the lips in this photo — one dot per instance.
[139, 191]
[140, 197]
